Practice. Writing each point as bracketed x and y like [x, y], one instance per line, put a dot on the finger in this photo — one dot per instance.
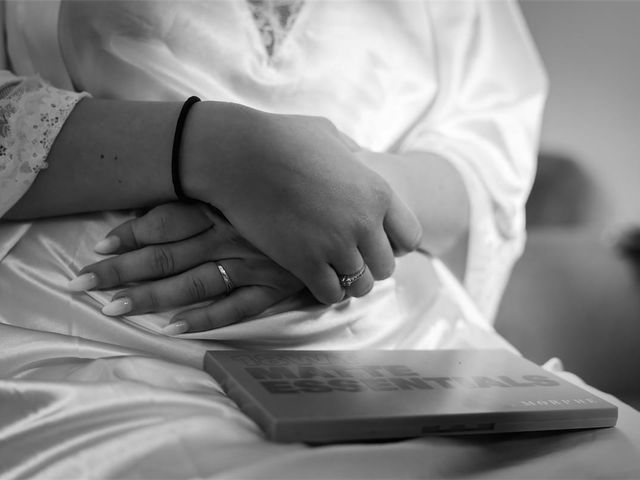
[151, 262]
[377, 254]
[323, 283]
[167, 223]
[243, 303]
[355, 273]
[362, 285]
[196, 285]
[402, 227]
[157, 261]
[202, 283]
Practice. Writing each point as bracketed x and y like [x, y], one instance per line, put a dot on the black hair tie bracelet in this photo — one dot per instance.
[175, 151]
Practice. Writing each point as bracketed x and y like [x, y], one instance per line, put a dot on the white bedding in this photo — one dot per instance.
[86, 396]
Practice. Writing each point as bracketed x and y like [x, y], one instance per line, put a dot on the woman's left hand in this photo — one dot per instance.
[186, 254]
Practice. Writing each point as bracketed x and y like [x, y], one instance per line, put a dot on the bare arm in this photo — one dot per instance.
[109, 155]
[432, 187]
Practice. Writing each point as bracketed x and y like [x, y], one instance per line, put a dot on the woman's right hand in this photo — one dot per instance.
[292, 187]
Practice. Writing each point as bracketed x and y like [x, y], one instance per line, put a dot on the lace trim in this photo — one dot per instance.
[31, 116]
[274, 19]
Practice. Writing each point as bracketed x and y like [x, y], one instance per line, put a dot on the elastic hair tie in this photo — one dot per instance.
[175, 151]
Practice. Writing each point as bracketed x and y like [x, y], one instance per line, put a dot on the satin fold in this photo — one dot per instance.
[87, 396]
[138, 417]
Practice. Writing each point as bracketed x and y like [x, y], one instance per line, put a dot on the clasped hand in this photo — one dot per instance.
[302, 212]
[169, 258]
[292, 186]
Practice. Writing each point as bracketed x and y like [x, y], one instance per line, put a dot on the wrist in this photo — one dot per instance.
[176, 173]
[215, 136]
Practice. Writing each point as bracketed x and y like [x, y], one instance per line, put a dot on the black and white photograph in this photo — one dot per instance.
[319, 239]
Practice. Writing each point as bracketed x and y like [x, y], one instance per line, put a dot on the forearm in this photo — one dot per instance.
[434, 190]
[108, 155]
[113, 154]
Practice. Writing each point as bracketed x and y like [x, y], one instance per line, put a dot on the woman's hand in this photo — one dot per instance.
[176, 250]
[291, 186]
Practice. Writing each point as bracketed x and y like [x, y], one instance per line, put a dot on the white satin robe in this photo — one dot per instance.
[87, 395]
[460, 79]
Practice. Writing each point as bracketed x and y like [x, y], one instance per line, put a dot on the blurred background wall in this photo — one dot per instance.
[591, 50]
[573, 294]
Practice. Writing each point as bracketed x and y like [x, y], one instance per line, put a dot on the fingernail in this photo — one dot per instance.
[86, 281]
[107, 245]
[118, 307]
[175, 328]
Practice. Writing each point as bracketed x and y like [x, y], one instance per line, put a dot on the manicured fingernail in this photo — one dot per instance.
[107, 245]
[175, 328]
[86, 281]
[118, 307]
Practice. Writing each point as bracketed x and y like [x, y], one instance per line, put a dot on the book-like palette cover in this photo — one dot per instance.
[335, 396]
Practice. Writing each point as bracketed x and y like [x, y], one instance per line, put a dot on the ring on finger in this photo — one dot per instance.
[228, 284]
[346, 280]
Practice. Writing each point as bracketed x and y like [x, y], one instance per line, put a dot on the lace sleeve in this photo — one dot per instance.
[32, 113]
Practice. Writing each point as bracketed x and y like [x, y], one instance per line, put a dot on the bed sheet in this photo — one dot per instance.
[85, 396]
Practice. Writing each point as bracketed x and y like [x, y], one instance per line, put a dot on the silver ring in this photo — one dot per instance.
[347, 280]
[228, 284]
